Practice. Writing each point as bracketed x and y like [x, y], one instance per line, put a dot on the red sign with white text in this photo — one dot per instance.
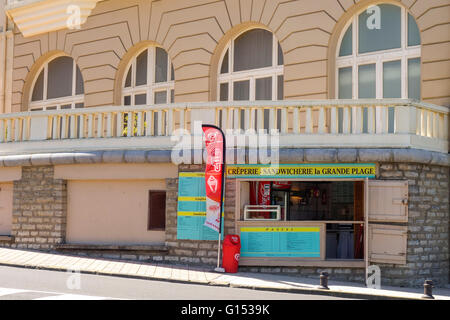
[215, 144]
[260, 195]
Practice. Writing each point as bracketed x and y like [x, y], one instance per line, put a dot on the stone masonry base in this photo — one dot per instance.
[40, 213]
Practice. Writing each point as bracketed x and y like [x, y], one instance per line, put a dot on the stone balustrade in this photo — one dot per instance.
[394, 123]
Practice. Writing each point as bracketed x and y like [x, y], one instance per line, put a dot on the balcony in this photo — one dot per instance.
[34, 17]
[404, 124]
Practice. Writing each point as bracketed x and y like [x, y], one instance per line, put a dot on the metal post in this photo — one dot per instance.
[219, 268]
[324, 281]
[366, 228]
[428, 290]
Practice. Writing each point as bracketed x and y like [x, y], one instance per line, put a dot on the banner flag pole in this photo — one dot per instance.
[215, 181]
[220, 269]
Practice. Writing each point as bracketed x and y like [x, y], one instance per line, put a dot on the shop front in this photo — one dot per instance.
[319, 215]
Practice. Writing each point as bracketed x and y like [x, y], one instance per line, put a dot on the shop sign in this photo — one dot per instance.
[317, 171]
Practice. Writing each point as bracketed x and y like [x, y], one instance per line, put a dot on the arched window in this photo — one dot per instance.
[59, 85]
[251, 68]
[379, 55]
[149, 79]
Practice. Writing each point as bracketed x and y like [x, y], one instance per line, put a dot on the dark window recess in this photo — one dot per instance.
[79, 83]
[128, 79]
[157, 210]
[224, 68]
[345, 241]
[224, 91]
[141, 69]
[161, 65]
[38, 91]
[60, 77]
[253, 50]
[280, 56]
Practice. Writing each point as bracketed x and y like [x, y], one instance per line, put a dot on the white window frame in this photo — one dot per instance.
[403, 54]
[151, 87]
[252, 75]
[45, 103]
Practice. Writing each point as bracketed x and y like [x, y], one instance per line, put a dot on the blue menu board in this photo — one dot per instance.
[280, 242]
[191, 213]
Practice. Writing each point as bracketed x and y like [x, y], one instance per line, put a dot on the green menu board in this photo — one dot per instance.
[280, 242]
[191, 213]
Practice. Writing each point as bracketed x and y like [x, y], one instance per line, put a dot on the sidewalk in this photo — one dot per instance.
[257, 281]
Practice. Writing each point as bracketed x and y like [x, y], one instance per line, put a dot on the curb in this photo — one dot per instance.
[310, 291]
[331, 293]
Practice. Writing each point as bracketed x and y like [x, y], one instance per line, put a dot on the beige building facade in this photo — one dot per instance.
[345, 83]
[195, 34]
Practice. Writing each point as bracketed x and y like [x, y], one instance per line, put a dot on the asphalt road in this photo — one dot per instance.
[31, 284]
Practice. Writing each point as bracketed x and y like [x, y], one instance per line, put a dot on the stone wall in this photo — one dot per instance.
[194, 251]
[334, 274]
[39, 209]
[428, 224]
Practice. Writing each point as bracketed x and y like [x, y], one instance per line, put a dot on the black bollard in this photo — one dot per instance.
[428, 290]
[324, 281]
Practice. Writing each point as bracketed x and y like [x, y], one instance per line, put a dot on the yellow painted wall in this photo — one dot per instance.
[2, 55]
[8, 174]
[6, 204]
[135, 171]
[108, 203]
[110, 212]
[194, 32]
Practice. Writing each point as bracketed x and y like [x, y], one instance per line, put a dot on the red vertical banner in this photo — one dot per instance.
[214, 175]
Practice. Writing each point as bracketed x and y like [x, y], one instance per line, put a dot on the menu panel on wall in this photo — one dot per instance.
[191, 212]
[280, 242]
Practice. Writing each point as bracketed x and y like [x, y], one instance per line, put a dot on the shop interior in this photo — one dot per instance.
[338, 203]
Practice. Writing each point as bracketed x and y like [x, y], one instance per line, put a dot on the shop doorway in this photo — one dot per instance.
[337, 204]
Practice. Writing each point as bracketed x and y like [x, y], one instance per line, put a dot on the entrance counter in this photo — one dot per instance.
[287, 243]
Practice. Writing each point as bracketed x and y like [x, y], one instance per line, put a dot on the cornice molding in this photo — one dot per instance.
[338, 155]
[34, 17]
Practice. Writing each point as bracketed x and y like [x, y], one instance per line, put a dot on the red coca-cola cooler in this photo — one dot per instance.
[231, 253]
